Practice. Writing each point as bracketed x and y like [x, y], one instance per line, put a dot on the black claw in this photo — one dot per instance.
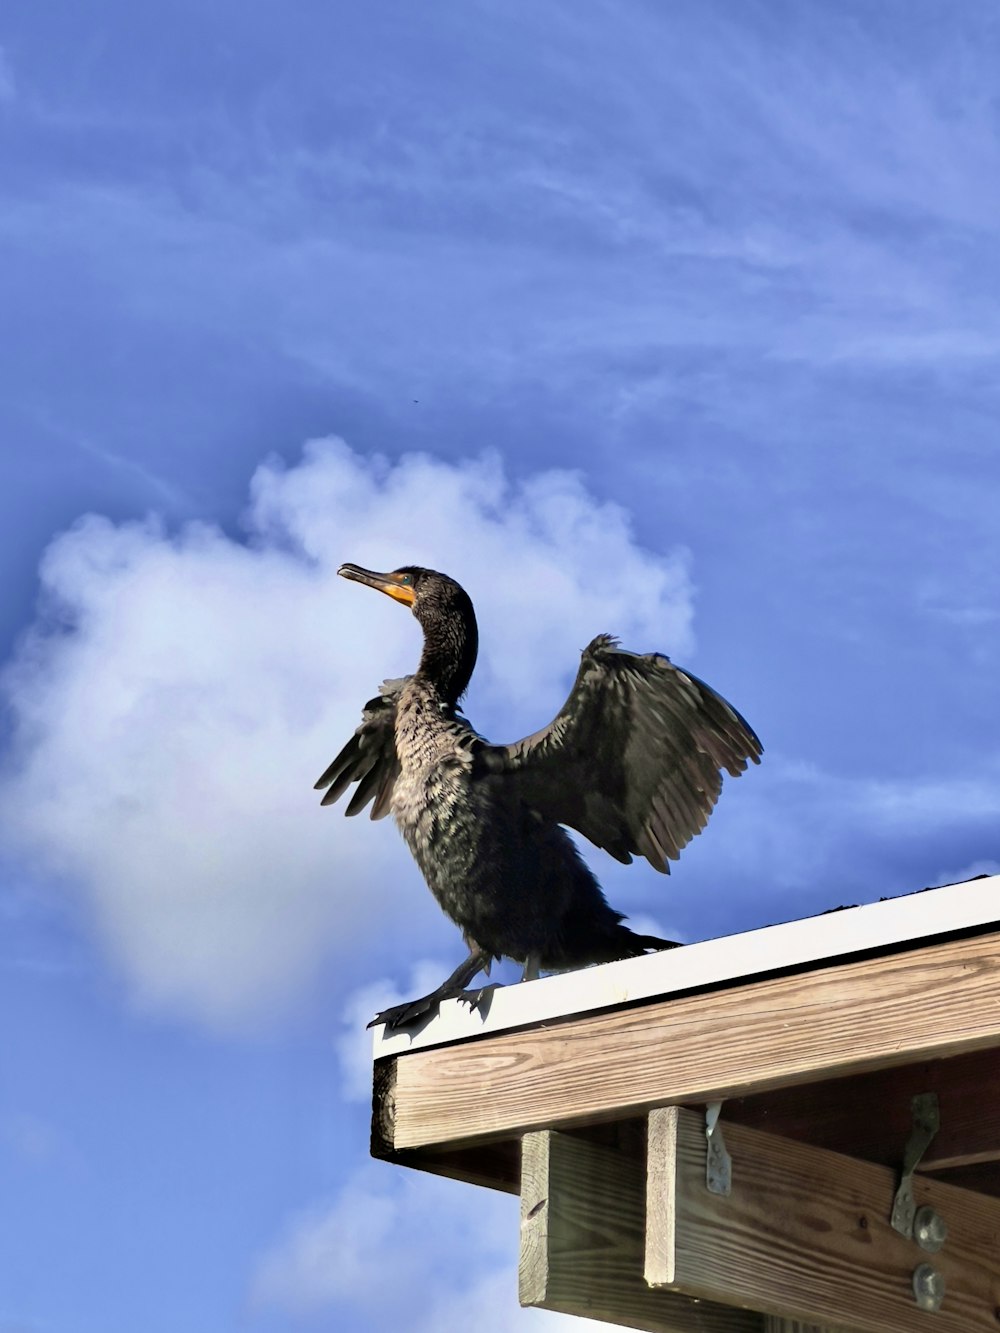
[423, 1010]
[420, 1012]
[406, 1015]
[481, 999]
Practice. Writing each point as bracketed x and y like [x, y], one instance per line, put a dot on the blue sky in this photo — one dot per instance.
[676, 321]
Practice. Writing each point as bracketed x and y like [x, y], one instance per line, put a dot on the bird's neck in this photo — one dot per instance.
[449, 658]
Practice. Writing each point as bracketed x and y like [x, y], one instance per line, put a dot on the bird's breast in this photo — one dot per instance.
[435, 766]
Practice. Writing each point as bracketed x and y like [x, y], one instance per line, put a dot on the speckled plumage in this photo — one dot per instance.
[513, 882]
[632, 761]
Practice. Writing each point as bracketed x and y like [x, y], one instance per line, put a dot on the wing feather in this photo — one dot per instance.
[369, 757]
[634, 759]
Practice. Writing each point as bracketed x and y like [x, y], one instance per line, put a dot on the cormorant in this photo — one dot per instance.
[632, 761]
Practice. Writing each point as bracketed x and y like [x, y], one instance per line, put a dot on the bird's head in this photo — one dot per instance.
[420, 589]
[444, 610]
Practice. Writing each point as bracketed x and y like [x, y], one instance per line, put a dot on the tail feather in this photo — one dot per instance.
[653, 943]
[580, 948]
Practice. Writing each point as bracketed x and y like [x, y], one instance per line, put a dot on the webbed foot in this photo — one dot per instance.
[423, 1010]
[420, 1012]
[480, 999]
[407, 1015]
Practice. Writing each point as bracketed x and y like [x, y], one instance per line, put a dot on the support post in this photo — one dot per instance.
[582, 1240]
[805, 1235]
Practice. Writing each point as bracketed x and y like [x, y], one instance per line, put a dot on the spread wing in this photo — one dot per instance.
[634, 759]
[369, 757]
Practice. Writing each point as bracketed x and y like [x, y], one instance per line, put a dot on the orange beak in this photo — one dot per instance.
[391, 584]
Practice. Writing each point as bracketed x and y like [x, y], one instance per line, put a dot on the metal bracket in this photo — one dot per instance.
[718, 1163]
[926, 1123]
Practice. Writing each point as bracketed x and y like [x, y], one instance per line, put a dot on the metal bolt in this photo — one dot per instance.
[928, 1287]
[930, 1230]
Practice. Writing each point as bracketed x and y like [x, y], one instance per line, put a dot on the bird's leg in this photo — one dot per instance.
[532, 967]
[406, 1015]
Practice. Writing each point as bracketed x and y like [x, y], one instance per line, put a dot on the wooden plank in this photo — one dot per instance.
[934, 1002]
[583, 1237]
[805, 1234]
[869, 1115]
[889, 925]
[983, 1179]
[775, 1324]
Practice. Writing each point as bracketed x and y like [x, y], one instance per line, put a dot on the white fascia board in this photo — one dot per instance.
[894, 922]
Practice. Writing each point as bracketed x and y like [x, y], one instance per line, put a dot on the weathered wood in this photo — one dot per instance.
[869, 1115]
[490, 1165]
[775, 1324]
[938, 1001]
[383, 1108]
[805, 1234]
[984, 1179]
[582, 1242]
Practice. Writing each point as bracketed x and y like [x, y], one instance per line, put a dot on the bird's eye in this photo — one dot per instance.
[406, 578]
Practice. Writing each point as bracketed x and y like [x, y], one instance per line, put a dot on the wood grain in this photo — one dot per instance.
[869, 1115]
[775, 1324]
[582, 1242]
[805, 1234]
[932, 1002]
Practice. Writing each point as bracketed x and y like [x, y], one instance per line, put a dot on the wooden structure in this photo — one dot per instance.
[852, 1178]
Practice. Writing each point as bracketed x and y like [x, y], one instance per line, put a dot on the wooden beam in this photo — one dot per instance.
[984, 1179]
[936, 1001]
[582, 1242]
[805, 1235]
[775, 1324]
[869, 1115]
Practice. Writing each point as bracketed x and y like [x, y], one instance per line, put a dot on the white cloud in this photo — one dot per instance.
[180, 692]
[354, 1042]
[399, 1249]
[544, 561]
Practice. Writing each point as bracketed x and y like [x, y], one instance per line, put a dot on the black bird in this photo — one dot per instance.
[632, 761]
